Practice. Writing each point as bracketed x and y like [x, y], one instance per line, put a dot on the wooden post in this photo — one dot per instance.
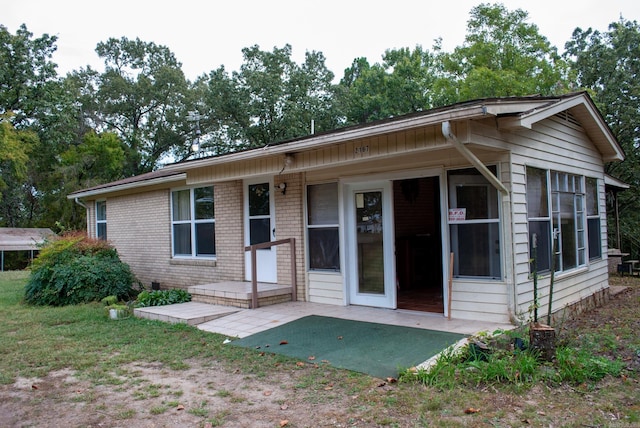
[254, 278]
[450, 285]
[294, 286]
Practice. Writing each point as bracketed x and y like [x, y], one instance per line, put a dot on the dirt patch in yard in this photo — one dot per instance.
[302, 394]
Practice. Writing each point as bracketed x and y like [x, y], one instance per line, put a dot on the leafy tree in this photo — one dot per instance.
[502, 55]
[270, 99]
[607, 64]
[400, 85]
[14, 156]
[26, 71]
[32, 106]
[139, 97]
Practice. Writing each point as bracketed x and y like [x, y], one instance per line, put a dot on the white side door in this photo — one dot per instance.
[370, 244]
[259, 226]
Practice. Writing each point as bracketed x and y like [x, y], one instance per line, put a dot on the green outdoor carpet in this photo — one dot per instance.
[379, 350]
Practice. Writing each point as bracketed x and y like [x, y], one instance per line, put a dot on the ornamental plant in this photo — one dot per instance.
[73, 268]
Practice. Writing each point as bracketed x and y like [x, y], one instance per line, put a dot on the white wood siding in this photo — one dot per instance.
[553, 144]
[326, 288]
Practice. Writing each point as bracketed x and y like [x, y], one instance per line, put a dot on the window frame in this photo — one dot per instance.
[101, 221]
[566, 189]
[193, 222]
[313, 226]
[493, 219]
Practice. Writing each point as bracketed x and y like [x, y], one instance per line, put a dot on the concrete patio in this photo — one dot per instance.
[236, 322]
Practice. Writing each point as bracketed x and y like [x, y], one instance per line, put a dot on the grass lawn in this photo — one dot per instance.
[137, 372]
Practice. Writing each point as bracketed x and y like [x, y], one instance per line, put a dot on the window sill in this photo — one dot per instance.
[193, 262]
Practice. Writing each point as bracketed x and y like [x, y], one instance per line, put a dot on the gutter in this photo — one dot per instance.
[464, 151]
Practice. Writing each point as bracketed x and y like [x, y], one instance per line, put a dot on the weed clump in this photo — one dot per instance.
[506, 359]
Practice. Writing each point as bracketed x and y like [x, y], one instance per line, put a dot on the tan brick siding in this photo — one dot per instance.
[290, 224]
[140, 228]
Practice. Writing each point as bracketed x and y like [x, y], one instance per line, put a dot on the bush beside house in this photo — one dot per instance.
[74, 269]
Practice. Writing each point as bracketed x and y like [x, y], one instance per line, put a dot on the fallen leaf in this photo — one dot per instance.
[380, 385]
[267, 393]
[284, 423]
[180, 407]
[339, 337]
[471, 410]
[299, 364]
[325, 361]
[328, 388]
[208, 425]
[284, 407]
[284, 342]
[34, 386]
[392, 380]
[311, 357]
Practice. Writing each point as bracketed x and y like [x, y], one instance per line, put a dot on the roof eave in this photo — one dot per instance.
[92, 193]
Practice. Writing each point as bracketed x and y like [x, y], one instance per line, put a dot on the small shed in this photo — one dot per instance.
[21, 239]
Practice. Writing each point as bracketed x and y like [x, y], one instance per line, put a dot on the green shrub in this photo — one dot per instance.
[74, 269]
[162, 297]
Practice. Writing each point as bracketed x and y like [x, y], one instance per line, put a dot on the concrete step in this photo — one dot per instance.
[191, 313]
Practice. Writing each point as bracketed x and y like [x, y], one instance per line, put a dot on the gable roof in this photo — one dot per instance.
[512, 112]
[20, 239]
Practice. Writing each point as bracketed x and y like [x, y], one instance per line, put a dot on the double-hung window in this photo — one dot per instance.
[322, 227]
[563, 217]
[193, 222]
[593, 219]
[101, 220]
[474, 224]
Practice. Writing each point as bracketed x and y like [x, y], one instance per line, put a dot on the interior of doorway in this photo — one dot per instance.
[418, 244]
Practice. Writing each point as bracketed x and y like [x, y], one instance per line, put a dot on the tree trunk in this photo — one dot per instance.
[542, 338]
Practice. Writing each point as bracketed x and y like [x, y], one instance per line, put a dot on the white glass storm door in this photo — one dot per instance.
[370, 245]
[259, 226]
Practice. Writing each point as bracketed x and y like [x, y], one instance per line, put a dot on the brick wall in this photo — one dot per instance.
[290, 224]
[140, 228]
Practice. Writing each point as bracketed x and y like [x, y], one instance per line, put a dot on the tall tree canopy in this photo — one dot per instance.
[140, 97]
[608, 64]
[401, 84]
[270, 99]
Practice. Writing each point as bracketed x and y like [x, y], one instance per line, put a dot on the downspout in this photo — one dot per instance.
[464, 151]
[86, 210]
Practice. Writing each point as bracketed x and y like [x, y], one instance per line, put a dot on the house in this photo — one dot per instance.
[441, 211]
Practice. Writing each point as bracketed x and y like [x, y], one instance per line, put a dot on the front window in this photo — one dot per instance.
[193, 222]
[474, 224]
[322, 226]
[101, 220]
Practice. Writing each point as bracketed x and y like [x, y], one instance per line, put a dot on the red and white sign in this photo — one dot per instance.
[457, 214]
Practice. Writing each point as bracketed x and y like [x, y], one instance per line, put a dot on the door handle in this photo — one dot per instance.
[274, 232]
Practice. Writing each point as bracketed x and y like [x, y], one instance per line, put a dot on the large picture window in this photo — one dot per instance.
[101, 220]
[322, 226]
[474, 224]
[193, 222]
[563, 217]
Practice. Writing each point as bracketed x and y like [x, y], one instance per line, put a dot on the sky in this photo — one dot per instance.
[205, 34]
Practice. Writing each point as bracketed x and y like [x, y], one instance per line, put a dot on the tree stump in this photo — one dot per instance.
[542, 338]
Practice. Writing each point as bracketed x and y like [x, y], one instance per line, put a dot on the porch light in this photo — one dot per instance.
[283, 187]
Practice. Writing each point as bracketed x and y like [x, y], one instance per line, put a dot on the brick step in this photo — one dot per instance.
[238, 294]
